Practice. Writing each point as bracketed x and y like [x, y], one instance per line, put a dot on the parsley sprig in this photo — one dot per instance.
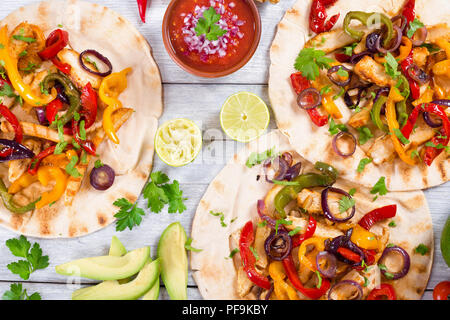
[16, 292]
[34, 259]
[310, 61]
[208, 25]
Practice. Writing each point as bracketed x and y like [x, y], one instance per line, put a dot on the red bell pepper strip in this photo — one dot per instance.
[411, 122]
[142, 6]
[312, 293]
[413, 85]
[12, 119]
[300, 83]
[377, 215]
[248, 259]
[409, 10]
[87, 145]
[318, 15]
[89, 105]
[384, 291]
[56, 41]
[432, 152]
[63, 67]
[52, 109]
[6, 152]
[310, 229]
[349, 254]
[35, 163]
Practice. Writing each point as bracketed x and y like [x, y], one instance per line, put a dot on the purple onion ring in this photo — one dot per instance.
[42, 117]
[423, 32]
[417, 74]
[406, 262]
[329, 269]
[347, 282]
[333, 70]
[282, 169]
[326, 209]
[99, 56]
[293, 171]
[288, 157]
[102, 178]
[278, 245]
[336, 148]
[430, 122]
[261, 208]
[398, 40]
[304, 96]
[358, 56]
[345, 242]
[442, 102]
[403, 20]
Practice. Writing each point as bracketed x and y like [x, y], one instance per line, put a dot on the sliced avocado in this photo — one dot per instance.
[117, 249]
[153, 293]
[113, 290]
[174, 264]
[106, 267]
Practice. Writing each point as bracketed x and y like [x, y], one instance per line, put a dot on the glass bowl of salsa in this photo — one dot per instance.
[211, 38]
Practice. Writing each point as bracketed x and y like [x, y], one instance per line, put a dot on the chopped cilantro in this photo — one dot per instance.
[362, 164]
[364, 135]
[379, 187]
[257, 158]
[345, 203]
[309, 62]
[188, 246]
[422, 249]
[414, 25]
[335, 128]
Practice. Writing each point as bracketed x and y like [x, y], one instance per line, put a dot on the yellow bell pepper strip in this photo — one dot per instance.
[282, 290]
[395, 96]
[445, 45]
[24, 181]
[404, 51]
[10, 65]
[45, 175]
[110, 89]
[318, 246]
[443, 67]
[364, 239]
[327, 99]
[427, 96]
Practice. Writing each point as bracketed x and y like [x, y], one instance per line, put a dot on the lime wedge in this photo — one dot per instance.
[178, 142]
[244, 116]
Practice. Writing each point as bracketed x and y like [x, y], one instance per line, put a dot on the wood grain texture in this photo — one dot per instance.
[200, 100]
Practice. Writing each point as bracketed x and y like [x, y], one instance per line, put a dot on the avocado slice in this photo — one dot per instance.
[117, 249]
[107, 267]
[113, 290]
[174, 264]
[153, 293]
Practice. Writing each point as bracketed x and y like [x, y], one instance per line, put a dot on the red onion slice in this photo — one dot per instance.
[422, 32]
[261, 208]
[430, 122]
[403, 19]
[334, 144]
[293, 171]
[288, 157]
[396, 44]
[417, 74]
[40, 114]
[100, 57]
[371, 41]
[442, 102]
[279, 166]
[359, 291]
[326, 263]
[345, 242]
[326, 209]
[309, 98]
[102, 178]
[278, 245]
[358, 56]
[406, 262]
[333, 71]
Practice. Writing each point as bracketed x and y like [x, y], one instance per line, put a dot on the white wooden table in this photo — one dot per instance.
[200, 100]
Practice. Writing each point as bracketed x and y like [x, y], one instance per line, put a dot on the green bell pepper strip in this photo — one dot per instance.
[403, 86]
[72, 94]
[9, 202]
[308, 180]
[364, 17]
[376, 112]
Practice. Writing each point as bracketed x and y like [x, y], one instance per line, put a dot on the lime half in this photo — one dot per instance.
[244, 116]
[178, 142]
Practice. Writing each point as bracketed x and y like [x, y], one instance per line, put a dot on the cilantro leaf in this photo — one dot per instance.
[422, 249]
[255, 254]
[362, 164]
[128, 216]
[24, 39]
[175, 196]
[37, 260]
[392, 224]
[156, 197]
[188, 246]
[400, 136]
[16, 292]
[335, 128]
[257, 158]
[310, 61]
[379, 187]
[21, 268]
[232, 253]
[208, 25]
[7, 91]
[98, 163]
[414, 25]
[281, 221]
[221, 215]
[346, 203]
[295, 231]
[391, 66]
[364, 135]
[19, 247]
[70, 167]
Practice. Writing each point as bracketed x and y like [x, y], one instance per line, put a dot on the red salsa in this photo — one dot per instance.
[236, 22]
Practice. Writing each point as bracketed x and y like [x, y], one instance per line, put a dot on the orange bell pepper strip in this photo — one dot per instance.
[303, 258]
[427, 96]
[364, 239]
[443, 67]
[282, 290]
[10, 65]
[391, 116]
[24, 181]
[110, 89]
[45, 175]
[404, 51]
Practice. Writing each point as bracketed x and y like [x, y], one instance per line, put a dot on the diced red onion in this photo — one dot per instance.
[100, 57]
[309, 98]
[326, 209]
[406, 262]
[333, 70]
[326, 263]
[352, 283]
[334, 143]
[397, 42]
[278, 245]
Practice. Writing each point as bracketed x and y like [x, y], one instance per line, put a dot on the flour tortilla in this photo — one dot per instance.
[314, 143]
[92, 26]
[235, 192]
